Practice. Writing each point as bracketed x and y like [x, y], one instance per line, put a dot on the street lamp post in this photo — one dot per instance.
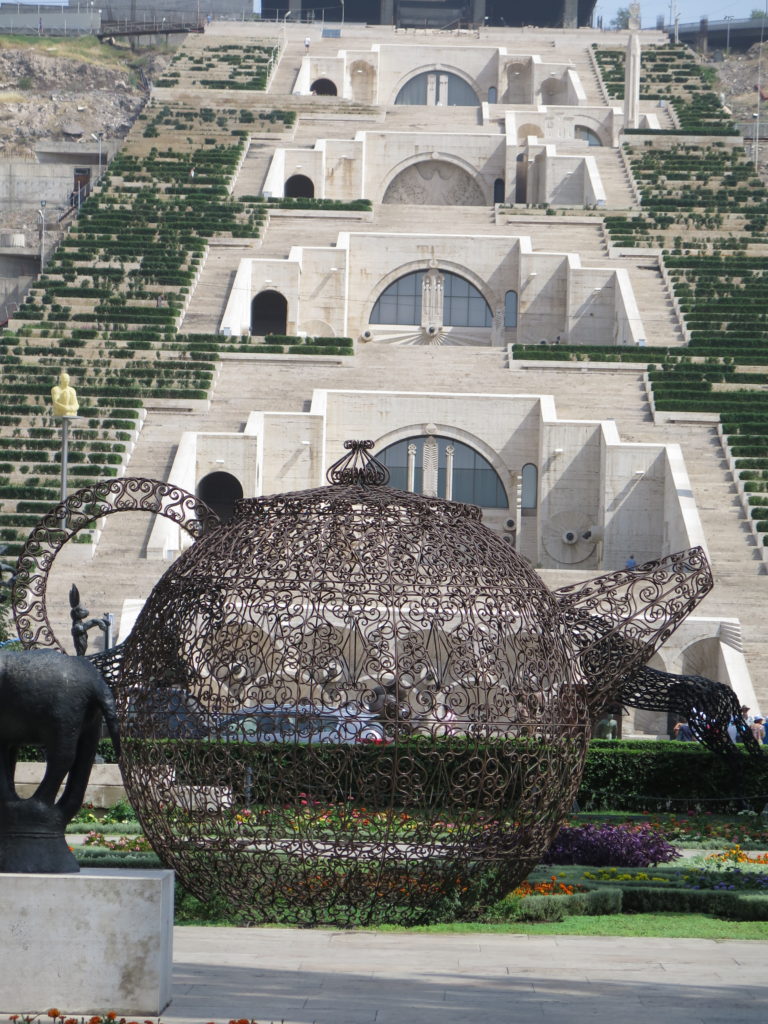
[759, 88]
[41, 217]
[728, 18]
[98, 136]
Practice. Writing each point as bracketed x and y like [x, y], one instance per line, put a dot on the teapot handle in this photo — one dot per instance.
[69, 517]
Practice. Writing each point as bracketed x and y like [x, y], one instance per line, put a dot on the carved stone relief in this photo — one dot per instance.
[435, 183]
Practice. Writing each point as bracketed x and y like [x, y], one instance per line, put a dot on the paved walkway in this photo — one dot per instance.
[326, 977]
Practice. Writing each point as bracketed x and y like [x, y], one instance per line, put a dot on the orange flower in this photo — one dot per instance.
[54, 1013]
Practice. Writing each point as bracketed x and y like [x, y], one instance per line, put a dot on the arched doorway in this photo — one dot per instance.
[435, 183]
[269, 313]
[299, 186]
[220, 491]
[498, 191]
[323, 87]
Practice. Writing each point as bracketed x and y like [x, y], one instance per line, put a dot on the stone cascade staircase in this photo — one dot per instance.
[583, 235]
[655, 303]
[740, 584]
[209, 300]
[287, 230]
[250, 180]
[440, 220]
[618, 191]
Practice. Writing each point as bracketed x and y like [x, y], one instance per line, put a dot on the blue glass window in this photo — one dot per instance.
[459, 92]
[475, 481]
[510, 309]
[400, 303]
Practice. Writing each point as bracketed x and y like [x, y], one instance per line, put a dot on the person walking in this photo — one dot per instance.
[307, 41]
[630, 563]
[758, 729]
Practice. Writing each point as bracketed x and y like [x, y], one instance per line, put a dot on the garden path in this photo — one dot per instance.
[330, 977]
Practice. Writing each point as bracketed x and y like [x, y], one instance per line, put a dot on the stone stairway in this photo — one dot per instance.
[654, 301]
[288, 230]
[250, 180]
[618, 192]
[583, 235]
[441, 220]
[209, 298]
[741, 587]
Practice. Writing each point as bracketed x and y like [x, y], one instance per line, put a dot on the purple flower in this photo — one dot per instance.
[626, 846]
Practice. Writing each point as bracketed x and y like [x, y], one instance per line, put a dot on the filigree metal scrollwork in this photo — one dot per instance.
[78, 511]
[618, 620]
[355, 702]
[358, 467]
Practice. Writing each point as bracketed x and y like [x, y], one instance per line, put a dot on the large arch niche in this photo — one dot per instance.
[437, 89]
[457, 470]
[323, 87]
[299, 186]
[269, 313]
[435, 183]
[220, 491]
[401, 302]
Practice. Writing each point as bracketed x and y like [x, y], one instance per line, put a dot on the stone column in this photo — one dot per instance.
[449, 472]
[411, 485]
[387, 12]
[632, 83]
[429, 462]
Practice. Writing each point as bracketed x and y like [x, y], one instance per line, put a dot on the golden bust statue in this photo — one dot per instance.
[64, 397]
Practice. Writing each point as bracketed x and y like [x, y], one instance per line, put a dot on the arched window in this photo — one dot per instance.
[458, 472]
[587, 135]
[529, 480]
[463, 304]
[323, 87]
[492, 94]
[220, 491]
[299, 186]
[498, 191]
[437, 89]
[510, 309]
[269, 313]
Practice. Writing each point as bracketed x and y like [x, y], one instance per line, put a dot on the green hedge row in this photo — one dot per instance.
[622, 775]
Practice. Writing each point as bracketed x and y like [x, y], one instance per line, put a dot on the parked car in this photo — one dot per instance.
[298, 723]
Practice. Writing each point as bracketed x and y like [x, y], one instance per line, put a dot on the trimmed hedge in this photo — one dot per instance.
[623, 775]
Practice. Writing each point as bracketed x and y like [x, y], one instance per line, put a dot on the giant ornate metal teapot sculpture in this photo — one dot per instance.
[354, 699]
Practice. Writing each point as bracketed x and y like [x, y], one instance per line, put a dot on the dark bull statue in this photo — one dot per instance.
[56, 702]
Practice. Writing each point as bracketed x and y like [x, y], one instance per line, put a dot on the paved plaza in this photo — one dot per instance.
[331, 977]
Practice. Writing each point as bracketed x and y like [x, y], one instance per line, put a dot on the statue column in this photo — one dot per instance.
[429, 462]
[449, 472]
[411, 485]
[632, 83]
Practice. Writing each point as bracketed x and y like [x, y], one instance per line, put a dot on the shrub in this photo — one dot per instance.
[609, 846]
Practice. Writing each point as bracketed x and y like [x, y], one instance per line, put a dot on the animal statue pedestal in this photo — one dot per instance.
[96, 941]
[32, 839]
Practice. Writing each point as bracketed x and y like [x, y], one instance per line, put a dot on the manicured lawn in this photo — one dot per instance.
[670, 926]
